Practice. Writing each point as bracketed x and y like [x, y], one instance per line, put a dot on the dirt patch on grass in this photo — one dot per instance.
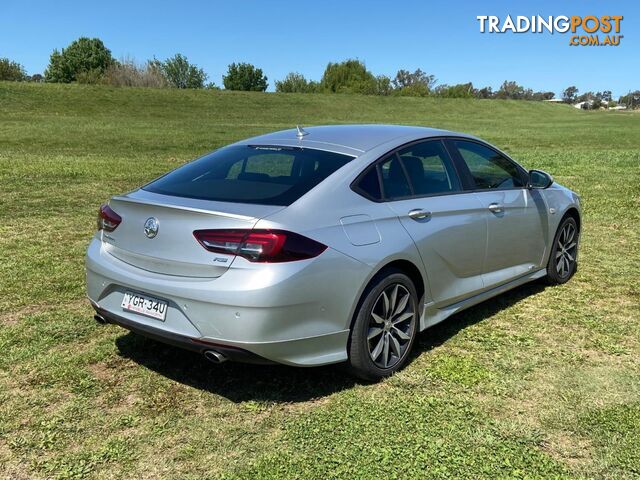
[12, 318]
[569, 448]
[9, 468]
[555, 397]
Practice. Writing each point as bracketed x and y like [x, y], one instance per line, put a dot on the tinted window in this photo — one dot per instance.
[488, 168]
[394, 181]
[370, 185]
[429, 168]
[249, 174]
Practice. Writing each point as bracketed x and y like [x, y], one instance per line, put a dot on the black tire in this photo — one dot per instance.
[563, 260]
[393, 328]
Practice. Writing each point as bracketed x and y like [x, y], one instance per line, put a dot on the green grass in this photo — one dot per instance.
[539, 382]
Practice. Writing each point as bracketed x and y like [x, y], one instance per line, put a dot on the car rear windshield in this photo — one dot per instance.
[268, 175]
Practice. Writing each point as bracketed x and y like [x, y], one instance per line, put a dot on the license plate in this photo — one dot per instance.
[145, 305]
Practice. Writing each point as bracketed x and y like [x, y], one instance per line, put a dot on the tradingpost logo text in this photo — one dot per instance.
[588, 30]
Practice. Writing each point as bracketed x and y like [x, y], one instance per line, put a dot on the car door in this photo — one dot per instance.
[423, 189]
[516, 216]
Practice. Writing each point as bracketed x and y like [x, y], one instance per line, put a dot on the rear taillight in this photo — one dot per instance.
[108, 220]
[260, 245]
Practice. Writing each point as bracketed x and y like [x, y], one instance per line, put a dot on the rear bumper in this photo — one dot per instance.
[181, 341]
[296, 314]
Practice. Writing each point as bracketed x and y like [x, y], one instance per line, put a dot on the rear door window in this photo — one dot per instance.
[429, 168]
[419, 170]
[269, 175]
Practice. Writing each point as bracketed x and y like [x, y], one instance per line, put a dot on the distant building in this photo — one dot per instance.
[586, 105]
[554, 100]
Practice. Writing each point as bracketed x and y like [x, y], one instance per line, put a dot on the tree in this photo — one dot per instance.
[543, 95]
[484, 92]
[417, 84]
[405, 78]
[128, 73]
[245, 77]
[604, 96]
[12, 71]
[383, 85]
[586, 97]
[86, 58]
[631, 99]
[349, 76]
[179, 73]
[296, 83]
[569, 94]
[590, 100]
[461, 90]
[511, 90]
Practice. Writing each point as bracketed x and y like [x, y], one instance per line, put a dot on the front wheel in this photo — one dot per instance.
[563, 260]
[385, 327]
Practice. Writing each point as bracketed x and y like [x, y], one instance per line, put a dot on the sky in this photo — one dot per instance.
[440, 37]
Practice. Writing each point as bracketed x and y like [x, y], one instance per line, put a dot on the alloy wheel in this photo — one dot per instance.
[391, 324]
[567, 250]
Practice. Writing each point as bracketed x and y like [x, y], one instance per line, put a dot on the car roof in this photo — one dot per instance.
[354, 139]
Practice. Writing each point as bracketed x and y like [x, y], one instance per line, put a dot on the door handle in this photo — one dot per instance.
[496, 208]
[419, 214]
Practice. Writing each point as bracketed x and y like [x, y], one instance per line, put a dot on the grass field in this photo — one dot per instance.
[539, 382]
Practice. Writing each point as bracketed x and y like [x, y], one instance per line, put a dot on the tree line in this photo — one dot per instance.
[88, 60]
[352, 76]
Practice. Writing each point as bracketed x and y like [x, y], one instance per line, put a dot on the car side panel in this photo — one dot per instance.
[451, 241]
[559, 200]
[373, 235]
[517, 235]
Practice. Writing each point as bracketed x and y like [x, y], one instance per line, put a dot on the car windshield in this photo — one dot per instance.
[268, 175]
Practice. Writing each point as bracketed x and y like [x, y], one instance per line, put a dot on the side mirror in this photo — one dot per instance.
[539, 179]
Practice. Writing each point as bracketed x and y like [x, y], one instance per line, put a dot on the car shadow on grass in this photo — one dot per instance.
[438, 334]
[240, 382]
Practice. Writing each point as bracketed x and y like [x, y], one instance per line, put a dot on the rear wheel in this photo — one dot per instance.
[563, 260]
[385, 327]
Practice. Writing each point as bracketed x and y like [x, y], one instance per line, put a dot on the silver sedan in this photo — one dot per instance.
[327, 244]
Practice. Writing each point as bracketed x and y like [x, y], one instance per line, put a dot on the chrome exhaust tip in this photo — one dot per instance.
[100, 319]
[215, 357]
